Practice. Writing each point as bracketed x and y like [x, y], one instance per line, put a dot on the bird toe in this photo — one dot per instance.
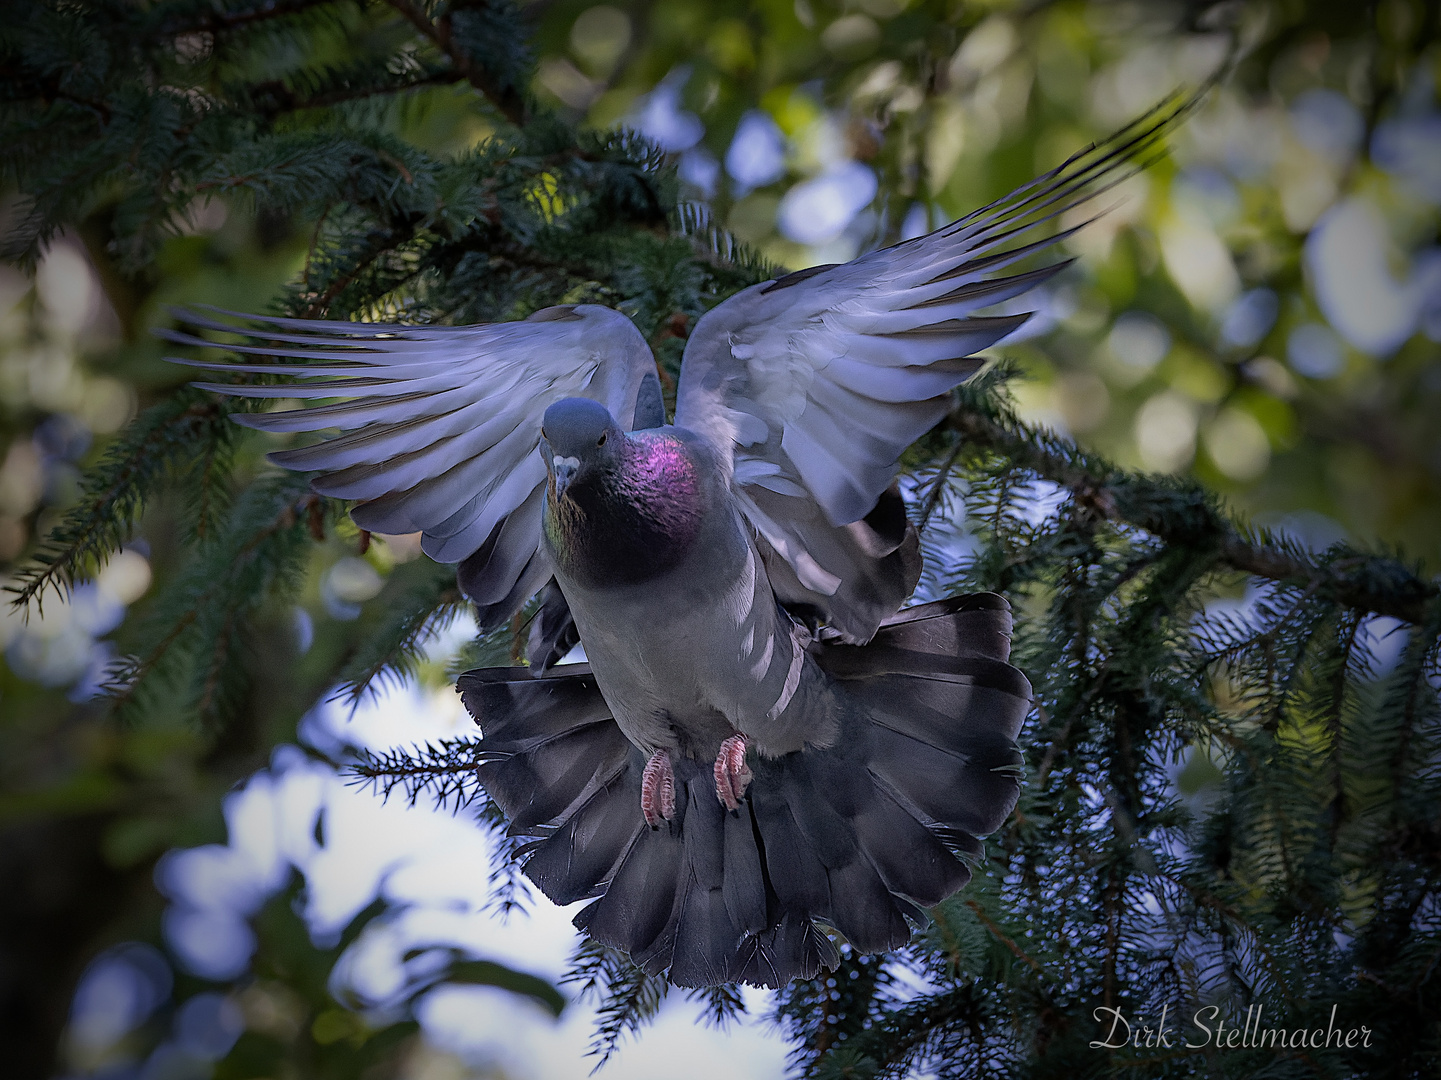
[732, 774]
[657, 789]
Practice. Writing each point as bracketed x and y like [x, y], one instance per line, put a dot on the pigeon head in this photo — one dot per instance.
[578, 438]
[621, 507]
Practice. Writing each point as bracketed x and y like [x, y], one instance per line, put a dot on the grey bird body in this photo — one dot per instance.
[707, 665]
[765, 753]
[717, 656]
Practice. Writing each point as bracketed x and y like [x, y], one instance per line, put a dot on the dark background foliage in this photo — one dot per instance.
[1232, 792]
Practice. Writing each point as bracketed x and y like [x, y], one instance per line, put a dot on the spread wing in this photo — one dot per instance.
[813, 385]
[440, 425]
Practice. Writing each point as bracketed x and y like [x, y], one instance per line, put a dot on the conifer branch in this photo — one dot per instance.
[446, 771]
[281, 99]
[505, 99]
[117, 490]
[1004, 938]
[422, 600]
[207, 607]
[1182, 512]
[628, 998]
[234, 18]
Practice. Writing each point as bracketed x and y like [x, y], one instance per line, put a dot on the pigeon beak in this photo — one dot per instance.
[564, 470]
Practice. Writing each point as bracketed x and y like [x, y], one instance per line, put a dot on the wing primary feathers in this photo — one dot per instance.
[345, 415]
[374, 356]
[797, 276]
[1002, 259]
[993, 327]
[994, 239]
[310, 327]
[329, 326]
[995, 290]
[1130, 142]
[356, 388]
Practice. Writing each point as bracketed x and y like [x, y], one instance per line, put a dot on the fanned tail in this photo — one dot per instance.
[859, 838]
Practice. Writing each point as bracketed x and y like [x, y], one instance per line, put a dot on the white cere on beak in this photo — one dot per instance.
[564, 469]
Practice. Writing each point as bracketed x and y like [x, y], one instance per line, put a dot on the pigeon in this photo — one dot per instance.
[765, 753]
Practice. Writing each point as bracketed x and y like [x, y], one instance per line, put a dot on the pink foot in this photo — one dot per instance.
[732, 776]
[657, 789]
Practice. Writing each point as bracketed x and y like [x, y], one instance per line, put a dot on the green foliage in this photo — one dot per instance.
[415, 606]
[184, 439]
[1219, 810]
[201, 620]
[1226, 804]
[626, 997]
[305, 1029]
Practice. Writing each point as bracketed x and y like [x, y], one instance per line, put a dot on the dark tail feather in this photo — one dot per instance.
[552, 741]
[707, 936]
[945, 709]
[637, 912]
[572, 862]
[859, 838]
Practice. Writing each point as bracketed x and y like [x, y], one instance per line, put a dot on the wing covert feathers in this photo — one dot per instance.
[850, 843]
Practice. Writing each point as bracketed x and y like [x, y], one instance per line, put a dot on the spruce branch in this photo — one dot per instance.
[628, 998]
[1005, 939]
[444, 771]
[506, 99]
[1182, 513]
[275, 99]
[116, 490]
[220, 18]
[310, 303]
[420, 600]
[202, 617]
[721, 1005]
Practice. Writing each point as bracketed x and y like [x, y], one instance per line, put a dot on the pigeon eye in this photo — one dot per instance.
[600, 441]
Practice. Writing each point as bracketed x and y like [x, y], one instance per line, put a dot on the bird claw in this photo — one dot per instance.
[657, 789]
[732, 775]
